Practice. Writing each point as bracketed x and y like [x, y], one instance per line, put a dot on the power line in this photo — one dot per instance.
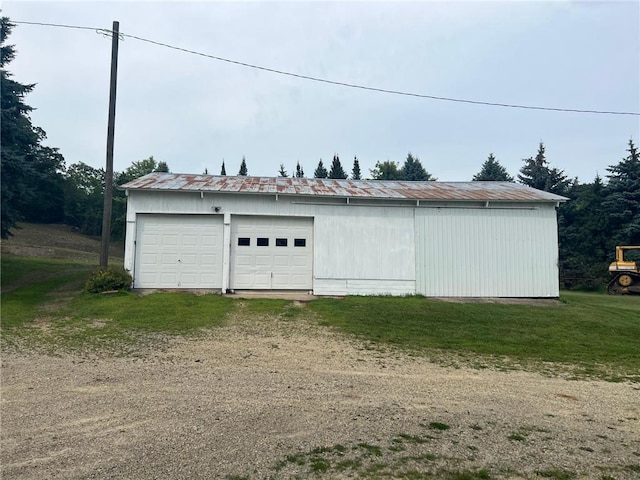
[60, 25]
[332, 82]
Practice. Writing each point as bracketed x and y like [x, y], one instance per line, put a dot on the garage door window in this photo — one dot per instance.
[244, 242]
[281, 242]
[300, 242]
[263, 242]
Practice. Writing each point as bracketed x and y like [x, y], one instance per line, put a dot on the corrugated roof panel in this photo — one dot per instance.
[378, 189]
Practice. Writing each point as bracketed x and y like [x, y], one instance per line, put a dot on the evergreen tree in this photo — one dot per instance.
[583, 236]
[243, 168]
[492, 171]
[223, 170]
[536, 173]
[320, 172]
[355, 172]
[387, 170]
[26, 166]
[299, 171]
[413, 171]
[47, 183]
[622, 202]
[337, 172]
[162, 167]
[282, 172]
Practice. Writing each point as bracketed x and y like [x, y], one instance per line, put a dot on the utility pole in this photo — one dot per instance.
[108, 179]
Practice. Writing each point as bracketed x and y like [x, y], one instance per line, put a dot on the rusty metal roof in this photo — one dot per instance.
[315, 187]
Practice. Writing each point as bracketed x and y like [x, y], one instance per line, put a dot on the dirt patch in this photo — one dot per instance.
[267, 399]
[536, 302]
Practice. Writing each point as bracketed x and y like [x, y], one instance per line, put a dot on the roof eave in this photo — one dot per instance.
[557, 200]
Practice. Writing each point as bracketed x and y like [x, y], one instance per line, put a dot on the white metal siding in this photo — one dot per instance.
[377, 250]
[364, 250]
[178, 251]
[271, 266]
[487, 252]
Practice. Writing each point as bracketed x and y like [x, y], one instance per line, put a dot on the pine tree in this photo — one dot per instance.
[299, 171]
[492, 171]
[243, 168]
[536, 173]
[320, 172]
[355, 172]
[583, 236]
[162, 167]
[337, 172]
[32, 183]
[282, 172]
[223, 170]
[413, 171]
[623, 199]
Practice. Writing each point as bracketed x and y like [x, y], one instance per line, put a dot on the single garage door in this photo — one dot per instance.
[178, 251]
[271, 253]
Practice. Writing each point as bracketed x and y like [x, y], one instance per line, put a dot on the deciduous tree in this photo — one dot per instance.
[140, 168]
[137, 169]
[84, 190]
[387, 170]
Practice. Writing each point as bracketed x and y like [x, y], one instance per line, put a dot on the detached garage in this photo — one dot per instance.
[342, 237]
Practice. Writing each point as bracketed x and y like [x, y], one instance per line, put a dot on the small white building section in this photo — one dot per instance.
[342, 237]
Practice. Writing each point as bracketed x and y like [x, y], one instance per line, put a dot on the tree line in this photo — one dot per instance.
[411, 170]
[37, 186]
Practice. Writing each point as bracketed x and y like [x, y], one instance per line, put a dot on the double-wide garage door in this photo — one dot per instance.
[271, 253]
[178, 251]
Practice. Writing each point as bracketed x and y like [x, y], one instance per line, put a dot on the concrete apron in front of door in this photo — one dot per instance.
[296, 295]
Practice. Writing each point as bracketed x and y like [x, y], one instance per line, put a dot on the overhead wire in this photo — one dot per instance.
[331, 82]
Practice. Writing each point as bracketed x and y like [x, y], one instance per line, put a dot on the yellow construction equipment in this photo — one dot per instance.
[625, 274]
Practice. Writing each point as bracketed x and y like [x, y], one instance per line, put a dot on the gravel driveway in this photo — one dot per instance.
[256, 400]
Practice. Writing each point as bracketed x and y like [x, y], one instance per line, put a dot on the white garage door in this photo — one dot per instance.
[271, 253]
[178, 251]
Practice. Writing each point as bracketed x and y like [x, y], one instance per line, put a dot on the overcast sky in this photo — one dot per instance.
[193, 112]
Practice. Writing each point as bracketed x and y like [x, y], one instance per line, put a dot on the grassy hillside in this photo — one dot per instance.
[59, 242]
[45, 308]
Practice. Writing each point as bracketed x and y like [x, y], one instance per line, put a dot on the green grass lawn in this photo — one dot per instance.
[49, 311]
[595, 331]
[44, 307]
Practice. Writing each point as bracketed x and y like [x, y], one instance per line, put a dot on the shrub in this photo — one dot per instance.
[112, 278]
